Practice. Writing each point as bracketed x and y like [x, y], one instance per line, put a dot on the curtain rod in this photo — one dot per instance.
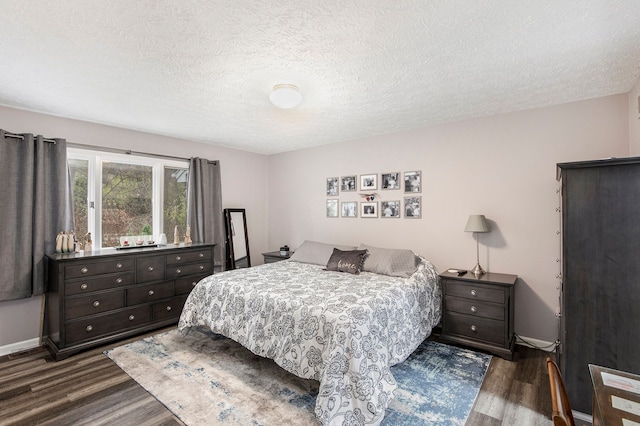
[124, 151]
[13, 135]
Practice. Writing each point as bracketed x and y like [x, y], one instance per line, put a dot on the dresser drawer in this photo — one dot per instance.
[476, 308]
[200, 268]
[474, 291]
[168, 309]
[185, 285]
[484, 329]
[98, 283]
[149, 293]
[81, 269]
[91, 328]
[76, 307]
[188, 256]
[149, 269]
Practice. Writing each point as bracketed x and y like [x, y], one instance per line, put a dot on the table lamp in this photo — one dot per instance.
[477, 223]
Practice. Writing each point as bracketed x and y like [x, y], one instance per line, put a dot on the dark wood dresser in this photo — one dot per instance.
[106, 295]
[478, 311]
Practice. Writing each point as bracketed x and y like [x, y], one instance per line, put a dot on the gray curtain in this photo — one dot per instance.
[36, 205]
[204, 206]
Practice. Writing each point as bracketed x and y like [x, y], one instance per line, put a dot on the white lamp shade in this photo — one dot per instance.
[285, 96]
[477, 223]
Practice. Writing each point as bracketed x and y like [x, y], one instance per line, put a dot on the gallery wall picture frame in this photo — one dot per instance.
[369, 209]
[390, 209]
[369, 182]
[390, 180]
[349, 183]
[332, 208]
[332, 186]
[412, 207]
[349, 209]
[413, 181]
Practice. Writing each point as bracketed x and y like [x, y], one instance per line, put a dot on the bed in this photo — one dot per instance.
[343, 329]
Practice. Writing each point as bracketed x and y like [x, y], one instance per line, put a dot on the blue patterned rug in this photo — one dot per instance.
[207, 379]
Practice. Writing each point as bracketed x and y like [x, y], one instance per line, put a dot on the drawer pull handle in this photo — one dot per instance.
[119, 265]
[83, 286]
[474, 293]
[151, 292]
[201, 267]
[168, 308]
[474, 309]
[84, 270]
[474, 328]
[119, 280]
[193, 284]
[131, 317]
[178, 258]
[178, 271]
[89, 328]
[201, 254]
[150, 268]
[96, 304]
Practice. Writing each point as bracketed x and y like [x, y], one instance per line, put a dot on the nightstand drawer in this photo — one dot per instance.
[474, 291]
[476, 308]
[486, 330]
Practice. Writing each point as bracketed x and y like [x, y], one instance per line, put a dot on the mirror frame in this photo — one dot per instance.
[230, 250]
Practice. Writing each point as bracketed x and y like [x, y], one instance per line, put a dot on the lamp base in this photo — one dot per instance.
[477, 270]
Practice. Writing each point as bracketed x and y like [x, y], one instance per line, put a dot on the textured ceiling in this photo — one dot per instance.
[203, 69]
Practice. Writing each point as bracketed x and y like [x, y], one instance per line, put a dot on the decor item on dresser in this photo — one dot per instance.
[335, 313]
[237, 239]
[478, 311]
[107, 295]
[477, 224]
[599, 278]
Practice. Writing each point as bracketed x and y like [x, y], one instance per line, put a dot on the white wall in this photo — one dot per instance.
[502, 166]
[634, 119]
[244, 185]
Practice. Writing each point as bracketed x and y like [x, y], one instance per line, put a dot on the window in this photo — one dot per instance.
[119, 195]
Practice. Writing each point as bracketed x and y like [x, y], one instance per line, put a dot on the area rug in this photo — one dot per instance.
[207, 379]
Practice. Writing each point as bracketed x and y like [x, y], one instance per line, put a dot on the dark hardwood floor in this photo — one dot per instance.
[89, 389]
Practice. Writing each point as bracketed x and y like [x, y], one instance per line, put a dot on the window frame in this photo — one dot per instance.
[95, 159]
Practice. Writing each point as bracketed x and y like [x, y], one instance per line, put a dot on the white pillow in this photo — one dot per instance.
[316, 253]
[394, 262]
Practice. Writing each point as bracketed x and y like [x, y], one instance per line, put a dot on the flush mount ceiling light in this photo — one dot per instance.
[285, 96]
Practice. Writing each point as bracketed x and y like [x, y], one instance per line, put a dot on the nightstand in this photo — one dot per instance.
[274, 256]
[478, 311]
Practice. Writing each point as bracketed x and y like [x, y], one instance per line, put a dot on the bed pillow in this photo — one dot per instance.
[316, 253]
[394, 262]
[346, 261]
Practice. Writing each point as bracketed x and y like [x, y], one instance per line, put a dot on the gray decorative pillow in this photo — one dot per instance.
[394, 262]
[315, 252]
[346, 261]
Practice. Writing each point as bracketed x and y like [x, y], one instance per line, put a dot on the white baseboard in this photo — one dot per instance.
[19, 346]
[536, 343]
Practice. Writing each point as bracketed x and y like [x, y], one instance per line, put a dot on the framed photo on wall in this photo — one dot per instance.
[348, 183]
[369, 209]
[412, 207]
[332, 208]
[391, 180]
[390, 209]
[332, 186]
[368, 182]
[349, 209]
[412, 182]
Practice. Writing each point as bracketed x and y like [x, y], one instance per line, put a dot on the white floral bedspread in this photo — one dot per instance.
[341, 329]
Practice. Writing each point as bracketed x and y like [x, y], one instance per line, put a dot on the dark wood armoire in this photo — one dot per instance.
[600, 297]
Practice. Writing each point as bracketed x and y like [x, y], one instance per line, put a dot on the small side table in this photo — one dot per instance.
[274, 256]
[478, 311]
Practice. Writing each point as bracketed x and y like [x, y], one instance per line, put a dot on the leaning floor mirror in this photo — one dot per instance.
[237, 243]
